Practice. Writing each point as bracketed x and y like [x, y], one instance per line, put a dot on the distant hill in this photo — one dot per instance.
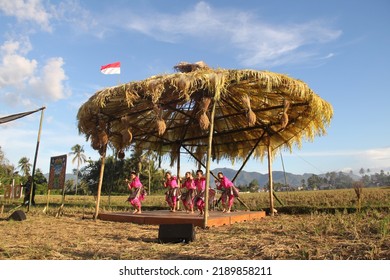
[244, 178]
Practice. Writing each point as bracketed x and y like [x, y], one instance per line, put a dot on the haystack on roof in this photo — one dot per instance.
[166, 112]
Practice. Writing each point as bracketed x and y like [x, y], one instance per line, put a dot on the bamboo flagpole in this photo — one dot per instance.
[35, 158]
[209, 148]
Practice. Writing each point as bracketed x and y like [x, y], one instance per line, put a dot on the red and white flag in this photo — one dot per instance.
[112, 68]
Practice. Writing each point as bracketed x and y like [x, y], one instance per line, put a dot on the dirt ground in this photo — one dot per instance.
[291, 237]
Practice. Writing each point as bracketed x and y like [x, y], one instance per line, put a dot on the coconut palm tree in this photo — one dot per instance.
[79, 156]
[25, 166]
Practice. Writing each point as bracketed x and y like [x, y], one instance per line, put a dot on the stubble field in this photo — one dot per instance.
[324, 226]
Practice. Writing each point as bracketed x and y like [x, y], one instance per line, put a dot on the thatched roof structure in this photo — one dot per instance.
[166, 112]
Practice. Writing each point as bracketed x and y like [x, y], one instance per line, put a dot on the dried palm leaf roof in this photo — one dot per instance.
[166, 112]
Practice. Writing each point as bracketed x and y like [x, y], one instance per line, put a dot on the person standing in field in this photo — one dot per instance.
[172, 193]
[137, 192]
[229, 191]
[188, 197]
[200, 183]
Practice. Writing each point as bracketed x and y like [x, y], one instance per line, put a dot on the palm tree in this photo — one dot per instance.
[79, 156]
[25, 165]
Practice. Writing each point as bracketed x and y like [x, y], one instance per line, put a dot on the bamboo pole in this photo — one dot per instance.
[103, 157]
[208, 160]
[271, 188]
[178, 179]
[35, 159]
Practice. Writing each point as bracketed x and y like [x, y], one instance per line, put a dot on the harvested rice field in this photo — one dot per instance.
[319, 235]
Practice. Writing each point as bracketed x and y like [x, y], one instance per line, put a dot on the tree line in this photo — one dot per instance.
[340, 180]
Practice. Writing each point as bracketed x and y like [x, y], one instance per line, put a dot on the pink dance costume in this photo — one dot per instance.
[172, 193]
[137, 194]
[188, 197]
[200, 196]
[226, 186]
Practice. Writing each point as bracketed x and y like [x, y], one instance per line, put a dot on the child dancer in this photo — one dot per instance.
[171, 194]
[188, 197]
[137, 193]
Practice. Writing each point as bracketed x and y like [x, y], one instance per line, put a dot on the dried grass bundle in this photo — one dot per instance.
[95, 143]
[154, 88]
[284, 118]
[102, 137]
[204, 104]
[183, 84]
[161, 126]
[127, 136]
[251, 116]
[160, 123]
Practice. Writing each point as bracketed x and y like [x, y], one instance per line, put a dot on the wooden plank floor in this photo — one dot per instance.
[216, 218]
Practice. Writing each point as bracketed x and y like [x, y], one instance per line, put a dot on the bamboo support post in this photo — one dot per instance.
[178, 178]
[208, 160]
[99, 190]
[271, 188]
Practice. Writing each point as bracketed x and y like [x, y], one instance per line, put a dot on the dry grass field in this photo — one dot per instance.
[320, 234]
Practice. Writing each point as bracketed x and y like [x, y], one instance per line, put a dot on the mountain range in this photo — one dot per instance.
[294, 180]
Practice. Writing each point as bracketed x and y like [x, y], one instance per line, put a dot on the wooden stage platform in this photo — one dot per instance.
[158, 217]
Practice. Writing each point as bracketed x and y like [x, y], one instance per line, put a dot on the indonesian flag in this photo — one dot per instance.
[113, 68]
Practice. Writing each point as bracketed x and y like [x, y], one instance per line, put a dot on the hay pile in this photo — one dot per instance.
[167, 111]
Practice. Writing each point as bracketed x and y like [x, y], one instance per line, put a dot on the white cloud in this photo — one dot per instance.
[15, 69]
[71, 13]
[21, 78]
[50, 83]
[27, 10]
[257, 42]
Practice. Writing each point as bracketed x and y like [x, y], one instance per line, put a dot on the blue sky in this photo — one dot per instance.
[51, 53]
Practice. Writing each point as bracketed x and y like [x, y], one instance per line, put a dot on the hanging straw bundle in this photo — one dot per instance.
[161, 126]
[102, 137]
[284, 118]
[251, 116]
[160, 123]
[127, 136]
[95, 143]
[183, 84]
[204, 104]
